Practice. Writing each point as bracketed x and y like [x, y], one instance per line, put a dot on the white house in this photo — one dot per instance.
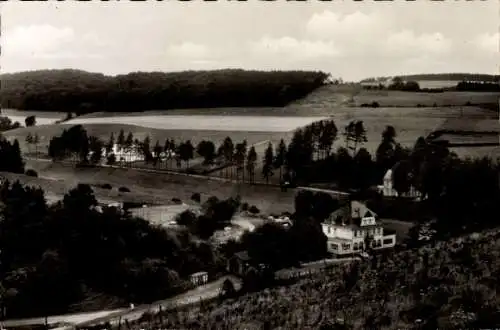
[133, 155]
[387, 188]
[347, 228]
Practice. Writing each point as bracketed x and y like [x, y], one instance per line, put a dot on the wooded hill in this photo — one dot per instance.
[83, 92]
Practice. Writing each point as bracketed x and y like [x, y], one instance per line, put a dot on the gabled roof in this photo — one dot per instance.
[242, 255]
[357, 210]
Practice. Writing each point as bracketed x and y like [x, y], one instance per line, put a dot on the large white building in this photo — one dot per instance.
[347, 229]
[132, 155]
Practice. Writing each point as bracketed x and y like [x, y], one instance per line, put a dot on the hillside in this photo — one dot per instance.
[444, 77]
[83, 92]
[447, 285]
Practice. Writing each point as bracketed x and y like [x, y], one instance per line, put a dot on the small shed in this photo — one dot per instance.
[239, 263]
[199, 278]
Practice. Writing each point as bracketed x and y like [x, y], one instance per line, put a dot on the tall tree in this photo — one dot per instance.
[128, 145]
[146, 149]
[206, 149]
[110, 144]
[227, 150]
[96, 148]
[364, 169]
[239, 158]
[121, 139]
[186, 152]
[385, 154]
[251, 161]
[267, 164]
[354, 135]
[279, 160]
[401, 177]
[327, 137]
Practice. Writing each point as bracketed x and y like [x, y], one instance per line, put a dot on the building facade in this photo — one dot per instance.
[350, 228]
[387, 188]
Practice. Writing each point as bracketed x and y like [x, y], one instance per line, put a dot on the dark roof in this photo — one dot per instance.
[355, 207]
[242, 255]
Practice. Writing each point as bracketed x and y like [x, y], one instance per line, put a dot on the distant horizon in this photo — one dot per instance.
[250, 69]
[352, 40]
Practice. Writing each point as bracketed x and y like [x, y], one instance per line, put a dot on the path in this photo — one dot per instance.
[204, 292]
[82, 320]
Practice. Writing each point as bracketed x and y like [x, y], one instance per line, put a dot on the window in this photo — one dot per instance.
[388, 241]
[355, 246]
[346, 246]
[334, 246]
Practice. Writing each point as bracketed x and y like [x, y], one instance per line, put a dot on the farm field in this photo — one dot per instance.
[411, 99]
[437, 83]
[492, 152]
[469, 139]
[209, 123]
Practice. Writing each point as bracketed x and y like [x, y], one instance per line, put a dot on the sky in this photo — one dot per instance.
[352, 40]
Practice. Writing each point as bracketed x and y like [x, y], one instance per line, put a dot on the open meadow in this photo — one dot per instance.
[151, 188]
[387, 98]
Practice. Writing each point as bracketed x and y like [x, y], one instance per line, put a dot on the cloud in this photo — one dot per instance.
[293, 49]
[330, 25]
[489, 42]
[36, 40]
[189, 50]
[407, 43]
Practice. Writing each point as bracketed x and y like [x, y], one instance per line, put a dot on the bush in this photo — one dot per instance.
[253, 209]
[196, 197]
[123, 189]
[375, 104]
[106, 186]
[32, 173]
[244, 206]
[176, 200]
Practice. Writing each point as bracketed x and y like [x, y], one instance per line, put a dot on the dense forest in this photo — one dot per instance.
[444, 77]
[83, 92]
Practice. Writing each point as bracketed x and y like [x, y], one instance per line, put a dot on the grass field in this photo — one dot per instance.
[437, 83]
[152, 188]
[411, 99]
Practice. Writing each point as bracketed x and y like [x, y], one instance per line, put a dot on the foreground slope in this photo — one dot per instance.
[448, 285]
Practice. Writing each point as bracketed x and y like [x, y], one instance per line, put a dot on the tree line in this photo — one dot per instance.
[84, 92]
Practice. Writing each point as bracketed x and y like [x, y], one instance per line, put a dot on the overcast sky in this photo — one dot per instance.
[353, 40]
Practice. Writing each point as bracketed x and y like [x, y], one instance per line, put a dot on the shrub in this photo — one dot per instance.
[196, 197]
[253, 209]
[32, 173]
[123, 189]
[244, 206]
[106, 186]
[375, 104]
[111, 160]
